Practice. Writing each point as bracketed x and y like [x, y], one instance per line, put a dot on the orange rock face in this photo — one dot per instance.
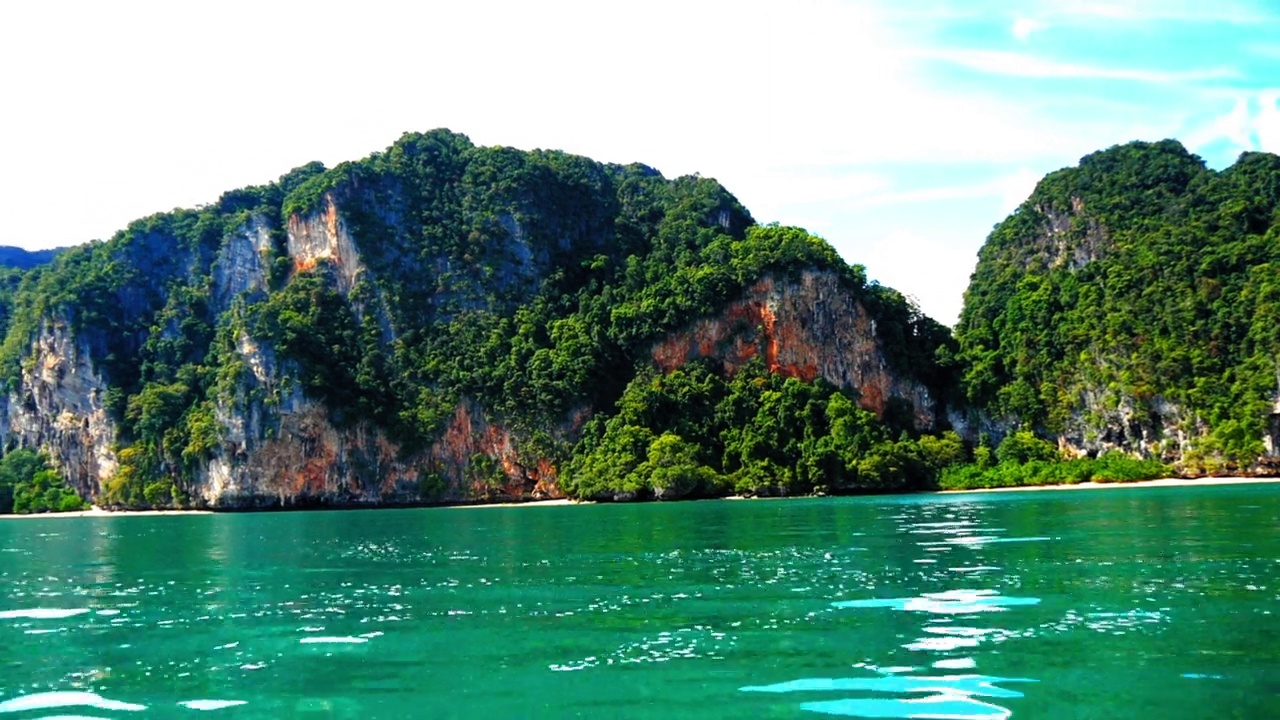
[471, 434]
[806, 329]
[324, 236]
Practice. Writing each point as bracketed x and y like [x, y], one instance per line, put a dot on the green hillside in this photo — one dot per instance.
[1133, 302]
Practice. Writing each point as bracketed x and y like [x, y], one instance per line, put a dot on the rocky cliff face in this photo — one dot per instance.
[1069, 238]
[323, 236]
[1109, 421]
[241, 268]
[58, 408]
[281, 449]
[807, 328]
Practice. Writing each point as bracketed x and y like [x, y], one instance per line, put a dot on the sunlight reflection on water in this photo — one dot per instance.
[951, 602]
[950, 696]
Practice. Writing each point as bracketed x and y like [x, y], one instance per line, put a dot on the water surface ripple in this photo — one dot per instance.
[1113, 604]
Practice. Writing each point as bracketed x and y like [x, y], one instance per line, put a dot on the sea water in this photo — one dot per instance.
[1120, 603]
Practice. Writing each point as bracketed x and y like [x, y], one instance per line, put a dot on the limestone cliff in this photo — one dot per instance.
[58, 407]
[437, 323]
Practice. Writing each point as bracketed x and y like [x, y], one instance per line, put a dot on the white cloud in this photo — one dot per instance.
[1009, 188]
[924, 195]
[1022, 65]
[1023, 28]
[1146, 11]
[789, 191]
[1267, 122]
[1253, 123]
[1016, 187]
[933, 269]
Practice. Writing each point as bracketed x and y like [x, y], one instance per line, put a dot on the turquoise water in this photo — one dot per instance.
[1161, 603]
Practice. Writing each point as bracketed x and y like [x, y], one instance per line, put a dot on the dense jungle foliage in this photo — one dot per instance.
[696, 432]
[1024, 459]
[1141, 282]
[531, 282]
[29, 485]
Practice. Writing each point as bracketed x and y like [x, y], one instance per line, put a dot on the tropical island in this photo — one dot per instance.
[446, 323]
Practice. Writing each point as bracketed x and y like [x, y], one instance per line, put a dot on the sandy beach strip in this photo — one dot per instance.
[528, 503]
[1163, 482]
[98, 512]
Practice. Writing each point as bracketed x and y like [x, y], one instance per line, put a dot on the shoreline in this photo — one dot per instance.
[553, 502]
[1162, 482]
[97, 512]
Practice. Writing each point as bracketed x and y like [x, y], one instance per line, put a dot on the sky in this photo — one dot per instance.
[899, 135]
